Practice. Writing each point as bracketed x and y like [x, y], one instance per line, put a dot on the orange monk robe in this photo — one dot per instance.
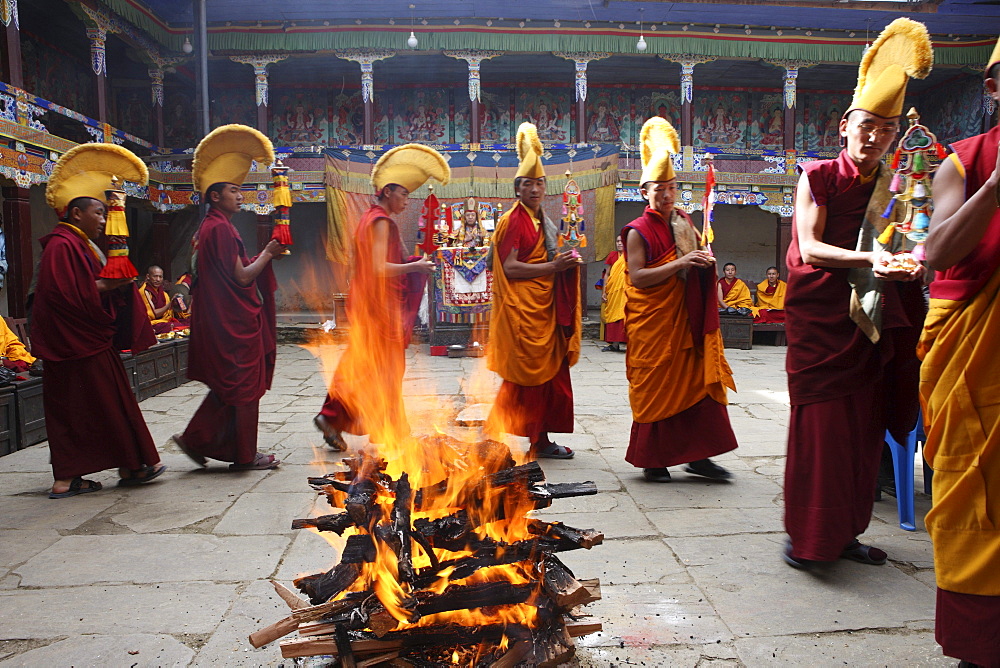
[675, 364]
[154, 299]
[11, 346]
[958, 387]
[613, 307]
[529, 348]
[736, 294]
[773, 301]
[769, 299]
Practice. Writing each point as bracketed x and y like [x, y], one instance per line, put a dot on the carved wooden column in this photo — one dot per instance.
[17, 231]
[10, 63]
[161, 243]
[366, 58]
[475, 60]
[98, 27]
[989, 112]
[791, 68]
[156, 72]
[687, 63]
[260, 63]
[264, 230]
[784, 239]
[581, 60]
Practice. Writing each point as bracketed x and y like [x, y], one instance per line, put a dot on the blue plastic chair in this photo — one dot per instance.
[903, 455]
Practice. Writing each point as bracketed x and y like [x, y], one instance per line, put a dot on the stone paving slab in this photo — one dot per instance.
[740, 573]
[152, 558]
[691, 571]
[136, 650]
[176, 608]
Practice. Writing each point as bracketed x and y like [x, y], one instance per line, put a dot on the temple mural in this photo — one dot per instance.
[548, 109]
[298, 117]
[494, 115]
[609, 118]
[954, 110]
[420, 116]
[234, 105]
[766, 130]
[817, 121]
[721, 119]
[178, 119]
[131, 109]
[51, 75]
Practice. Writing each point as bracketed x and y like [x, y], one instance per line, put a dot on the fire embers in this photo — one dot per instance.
[442, 565]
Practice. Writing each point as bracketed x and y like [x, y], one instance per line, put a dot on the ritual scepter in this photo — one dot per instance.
[282, 200]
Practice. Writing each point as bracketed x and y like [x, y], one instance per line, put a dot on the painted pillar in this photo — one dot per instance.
[581, 60]
[475, 60]
[156, 81]
[161, 243]
[260, 64]
[98, 40]
[366, 58]
[687, 63]
[17, 231]
[789, 98]
[10, 64]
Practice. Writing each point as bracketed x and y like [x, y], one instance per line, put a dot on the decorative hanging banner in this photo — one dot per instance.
[463, 286]
[914, 163]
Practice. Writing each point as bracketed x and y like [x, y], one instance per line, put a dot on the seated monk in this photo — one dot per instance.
[734, 295]
[770, 298]
[158, 307]
[14, 354]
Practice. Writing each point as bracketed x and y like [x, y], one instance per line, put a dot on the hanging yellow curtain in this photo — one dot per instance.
[337, 226]
[604, 221]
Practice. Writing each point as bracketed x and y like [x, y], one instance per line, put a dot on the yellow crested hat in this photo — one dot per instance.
[529, 152]
[658, 141]
[901, 51]
[410, 165]
[89, 170]
[226, 153]
[994, 57]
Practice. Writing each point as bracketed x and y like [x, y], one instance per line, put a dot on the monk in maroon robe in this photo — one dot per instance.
[91, 415]
[233, 338]
[845, 389]
[366, 396]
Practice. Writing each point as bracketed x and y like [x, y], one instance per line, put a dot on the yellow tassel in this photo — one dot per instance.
[886, 235]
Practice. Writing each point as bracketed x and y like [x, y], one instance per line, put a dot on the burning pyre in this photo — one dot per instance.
[442, 565]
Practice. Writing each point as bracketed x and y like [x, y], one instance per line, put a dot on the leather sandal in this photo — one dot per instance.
[864, 554]
[261, 462]
[142, 475]
[76, 487]
[553, 451]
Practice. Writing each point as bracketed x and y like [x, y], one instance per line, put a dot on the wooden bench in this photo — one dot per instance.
[777, 327]
[737, 331]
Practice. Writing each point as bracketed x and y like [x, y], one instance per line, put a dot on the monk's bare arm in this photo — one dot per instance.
[645, 277]
[957, 224]
[246, 275]
[718, 293]
[380, 248]
[515, 269]
[810, 222]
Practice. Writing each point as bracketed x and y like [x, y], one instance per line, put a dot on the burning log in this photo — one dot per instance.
[420, 558]
[337, 523]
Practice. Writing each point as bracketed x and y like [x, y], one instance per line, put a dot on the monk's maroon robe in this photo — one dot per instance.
[233, 344]
[91, 415]
[844, 390]
[382, 312]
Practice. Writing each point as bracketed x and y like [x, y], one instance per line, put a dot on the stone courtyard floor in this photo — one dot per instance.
[177, 572]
